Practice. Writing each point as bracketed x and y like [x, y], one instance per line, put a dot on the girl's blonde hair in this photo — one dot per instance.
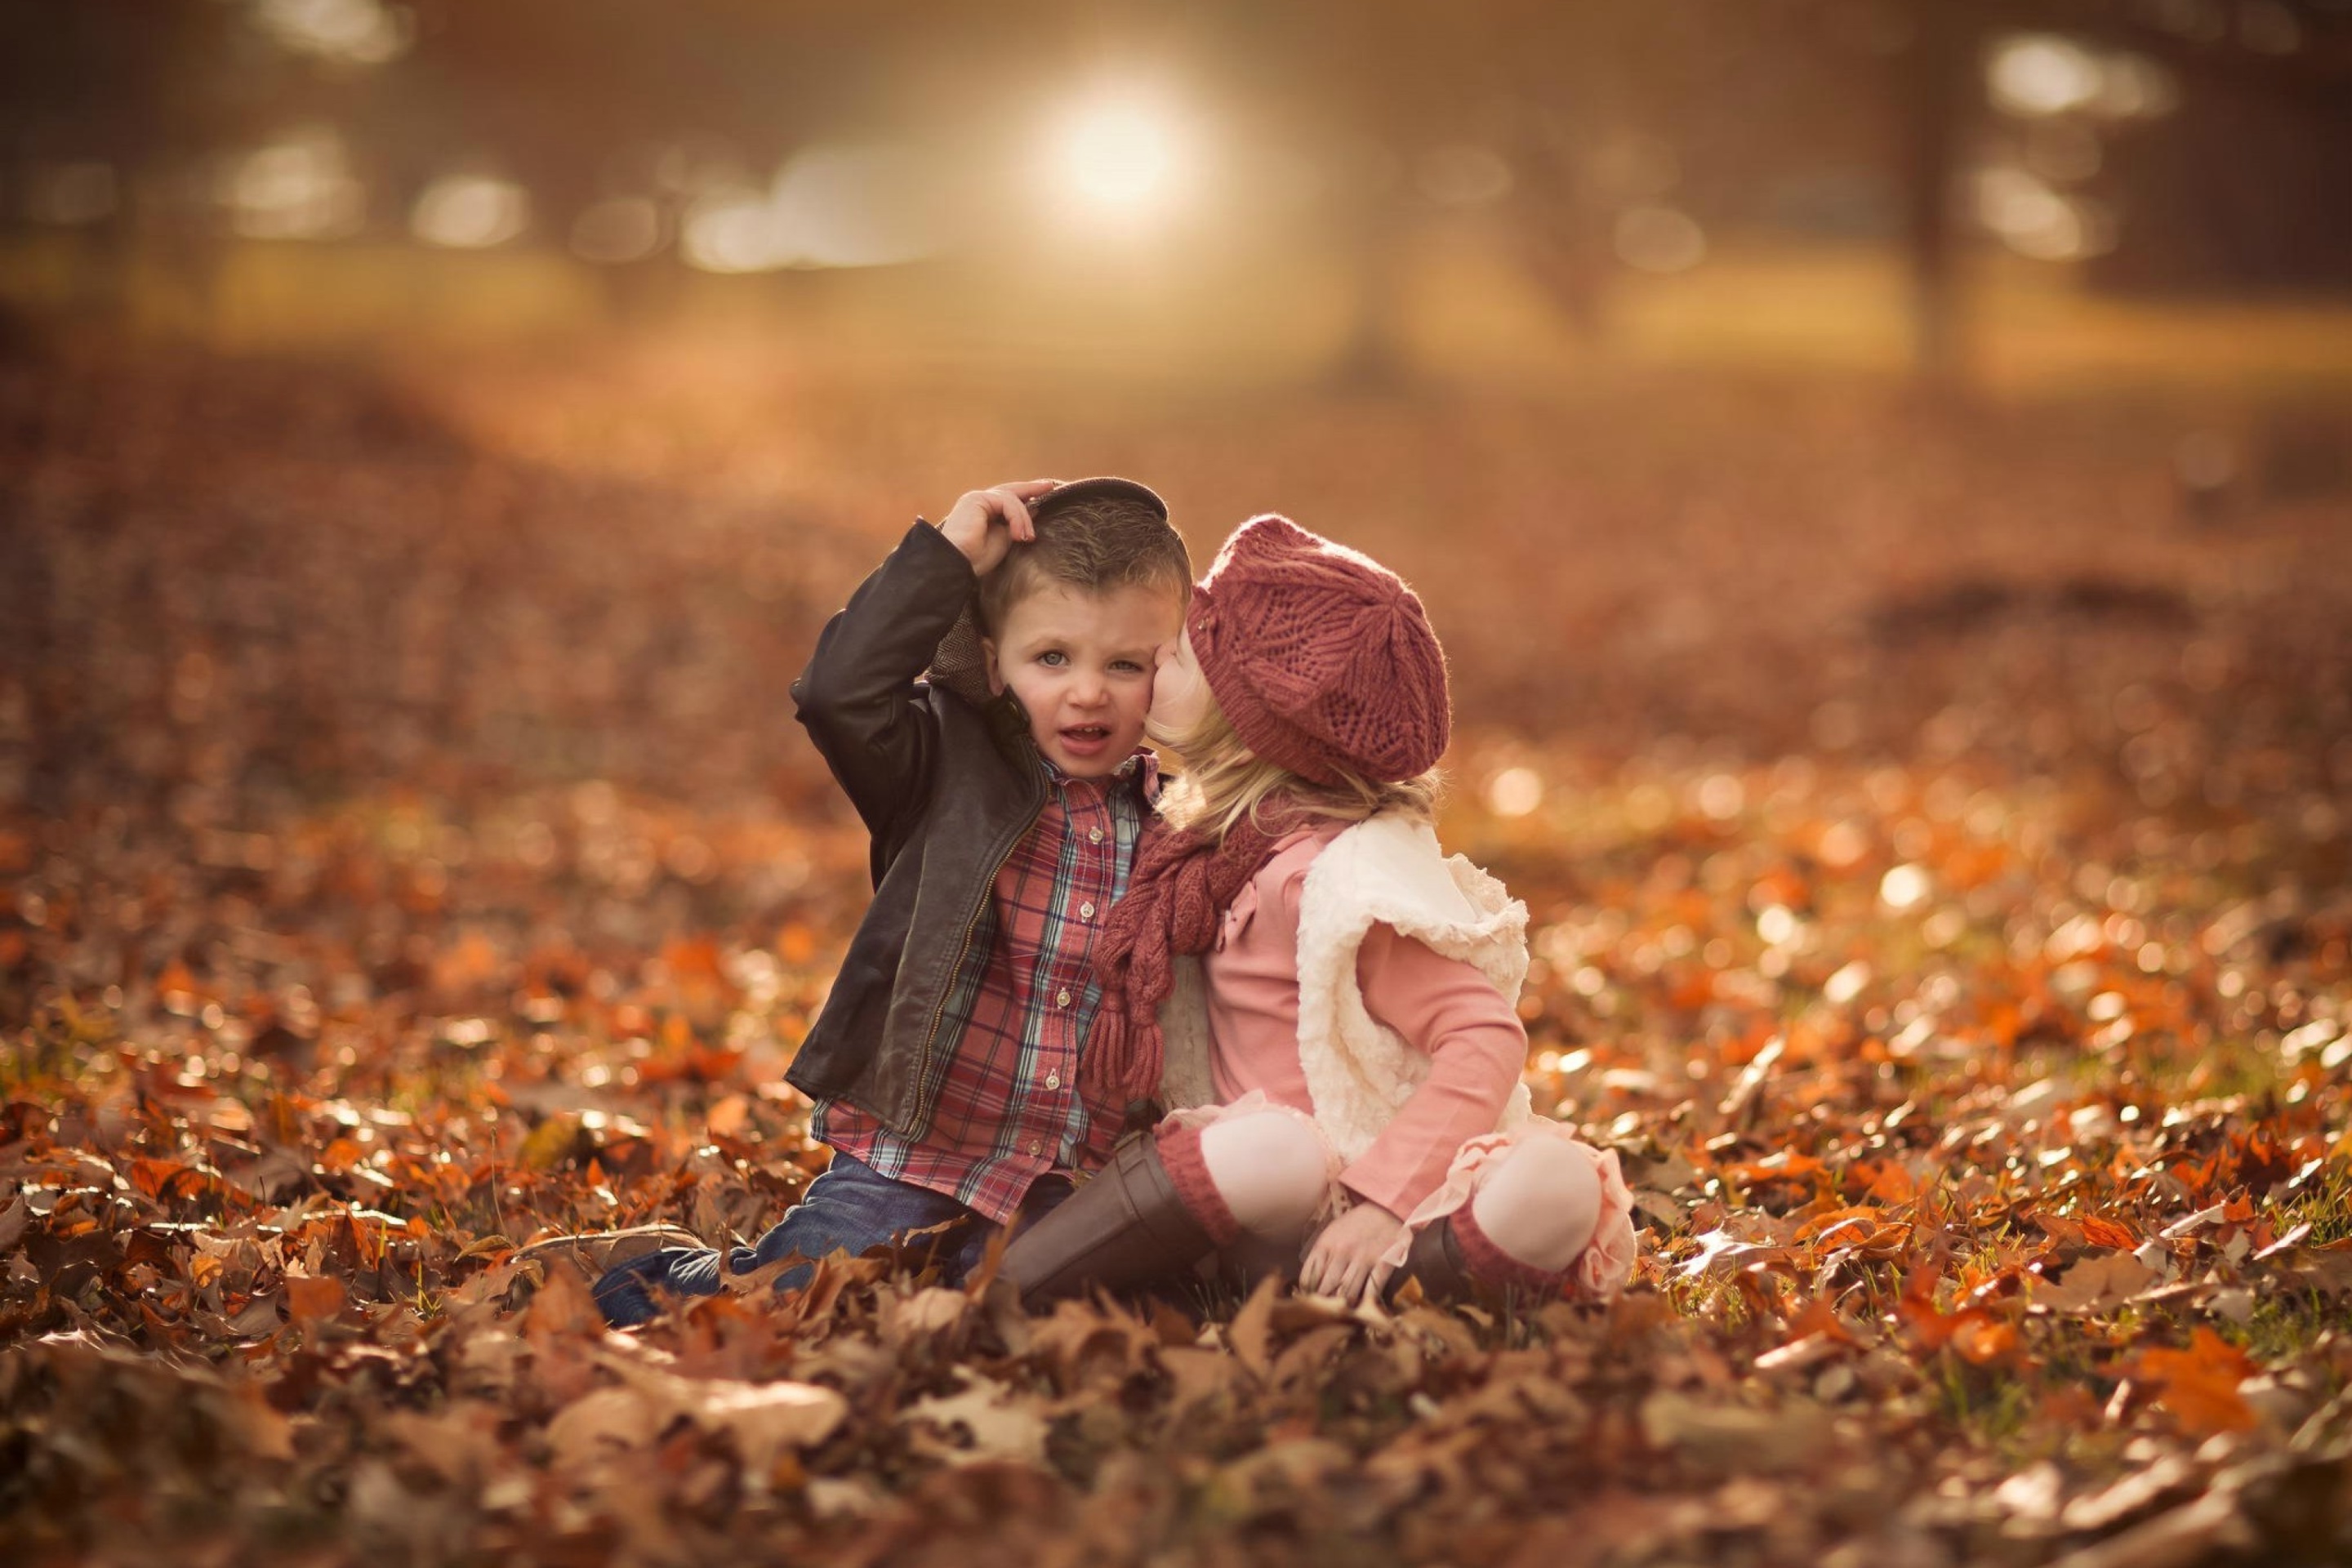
[1223, 782]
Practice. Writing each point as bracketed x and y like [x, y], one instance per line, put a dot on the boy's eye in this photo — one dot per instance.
[1053, 658]
[1127, 667]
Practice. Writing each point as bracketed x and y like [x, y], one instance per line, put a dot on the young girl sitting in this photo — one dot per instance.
[1361, 1038]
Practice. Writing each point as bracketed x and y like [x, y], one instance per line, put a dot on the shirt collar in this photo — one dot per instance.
[1140, 770]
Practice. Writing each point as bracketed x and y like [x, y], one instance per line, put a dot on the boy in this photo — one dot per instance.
[1005, 796]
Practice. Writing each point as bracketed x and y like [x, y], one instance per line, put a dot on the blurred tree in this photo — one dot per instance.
[1854, 116]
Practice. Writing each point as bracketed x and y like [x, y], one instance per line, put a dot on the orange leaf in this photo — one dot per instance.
[167, 1178]
[1784, 1166]
[1892, 1183]
[312, 1300]
[1982, 1338]
[1818, 1317]
[2199, 1385]
[1855, 1223]
[1931, 1327]
[2099, 1232]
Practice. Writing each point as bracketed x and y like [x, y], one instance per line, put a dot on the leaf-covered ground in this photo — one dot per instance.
[1933, 819]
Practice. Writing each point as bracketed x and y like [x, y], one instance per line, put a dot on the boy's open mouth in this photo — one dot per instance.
[1086, 734]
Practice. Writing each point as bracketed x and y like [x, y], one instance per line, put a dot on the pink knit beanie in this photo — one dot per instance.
[1321, 657]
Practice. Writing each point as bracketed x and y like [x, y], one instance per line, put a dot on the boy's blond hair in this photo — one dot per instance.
[1223, 783]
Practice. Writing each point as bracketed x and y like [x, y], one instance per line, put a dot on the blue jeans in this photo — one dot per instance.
[849, 1209]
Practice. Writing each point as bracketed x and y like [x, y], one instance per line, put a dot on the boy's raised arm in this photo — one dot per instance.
[857, 697]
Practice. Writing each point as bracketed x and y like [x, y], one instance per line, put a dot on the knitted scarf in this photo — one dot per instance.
[1183, 882]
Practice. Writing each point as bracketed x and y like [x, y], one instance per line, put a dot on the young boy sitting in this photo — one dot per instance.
[1006, 795]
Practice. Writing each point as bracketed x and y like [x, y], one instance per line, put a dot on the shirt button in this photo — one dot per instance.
[1053, 1080]
[1094, 834]
[1062, 997]
[1036, 1147]
[1085, 912]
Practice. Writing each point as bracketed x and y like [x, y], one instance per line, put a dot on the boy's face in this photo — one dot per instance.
[1081, 662]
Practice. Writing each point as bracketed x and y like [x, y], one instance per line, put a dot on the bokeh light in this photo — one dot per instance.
[1515, 792]
[2038, 74]
[300, 186]
[357, 32]
[830, 205]
[2037, 221]
[470, 212]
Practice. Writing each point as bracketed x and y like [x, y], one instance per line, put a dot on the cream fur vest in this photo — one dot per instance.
[1388, 870]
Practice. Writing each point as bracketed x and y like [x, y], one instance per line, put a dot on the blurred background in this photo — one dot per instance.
[2025, 192]
[431, 433]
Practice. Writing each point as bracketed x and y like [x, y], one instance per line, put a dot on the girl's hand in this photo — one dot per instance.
[972, 524]
[1345, 1259]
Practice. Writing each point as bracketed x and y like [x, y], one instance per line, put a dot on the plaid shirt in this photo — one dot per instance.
[1009, 1108]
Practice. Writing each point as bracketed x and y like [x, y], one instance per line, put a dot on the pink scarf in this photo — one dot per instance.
[1182, 883]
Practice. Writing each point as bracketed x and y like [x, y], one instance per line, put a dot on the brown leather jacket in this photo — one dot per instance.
[947, 784]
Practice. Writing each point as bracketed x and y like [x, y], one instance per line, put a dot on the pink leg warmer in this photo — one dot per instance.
[1269, 1170]
[1188, 1172]
[1536, 1211]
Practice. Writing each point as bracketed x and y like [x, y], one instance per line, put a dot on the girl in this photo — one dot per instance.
[1359, 1032]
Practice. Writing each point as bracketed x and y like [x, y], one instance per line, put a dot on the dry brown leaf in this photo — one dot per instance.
[2195, 1532]
[764, 1419]
[1002, 1424]
[1196, 1375]
[2095, 1284]
[1248, 1333]
[928, 1311]
[597, 1425]
[1736, 1438]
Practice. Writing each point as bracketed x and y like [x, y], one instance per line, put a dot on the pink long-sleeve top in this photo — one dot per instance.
[1440, 1006]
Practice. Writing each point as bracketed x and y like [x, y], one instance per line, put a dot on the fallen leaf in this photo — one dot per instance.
[2196, 1532]
[599, 1425]
[1002, 1425]
[1726, 1438]
[1248, 1333]
[310, 1302]
[2199, 1385]
[2094, 1285]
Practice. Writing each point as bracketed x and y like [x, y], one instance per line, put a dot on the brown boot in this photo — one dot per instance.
[1454, 1261]
[1125, 1226]
[1436, 1261]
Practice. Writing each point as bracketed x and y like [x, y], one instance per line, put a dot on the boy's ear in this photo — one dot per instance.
[995, 676]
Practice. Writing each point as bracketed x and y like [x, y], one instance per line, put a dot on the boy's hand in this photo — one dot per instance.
[1344, 1261]
[984, 524]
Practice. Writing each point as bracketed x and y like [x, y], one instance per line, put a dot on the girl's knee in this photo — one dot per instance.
[1540, 1202]
[1270, 1168]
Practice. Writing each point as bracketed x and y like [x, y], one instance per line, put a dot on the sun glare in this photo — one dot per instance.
[1125, 155]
